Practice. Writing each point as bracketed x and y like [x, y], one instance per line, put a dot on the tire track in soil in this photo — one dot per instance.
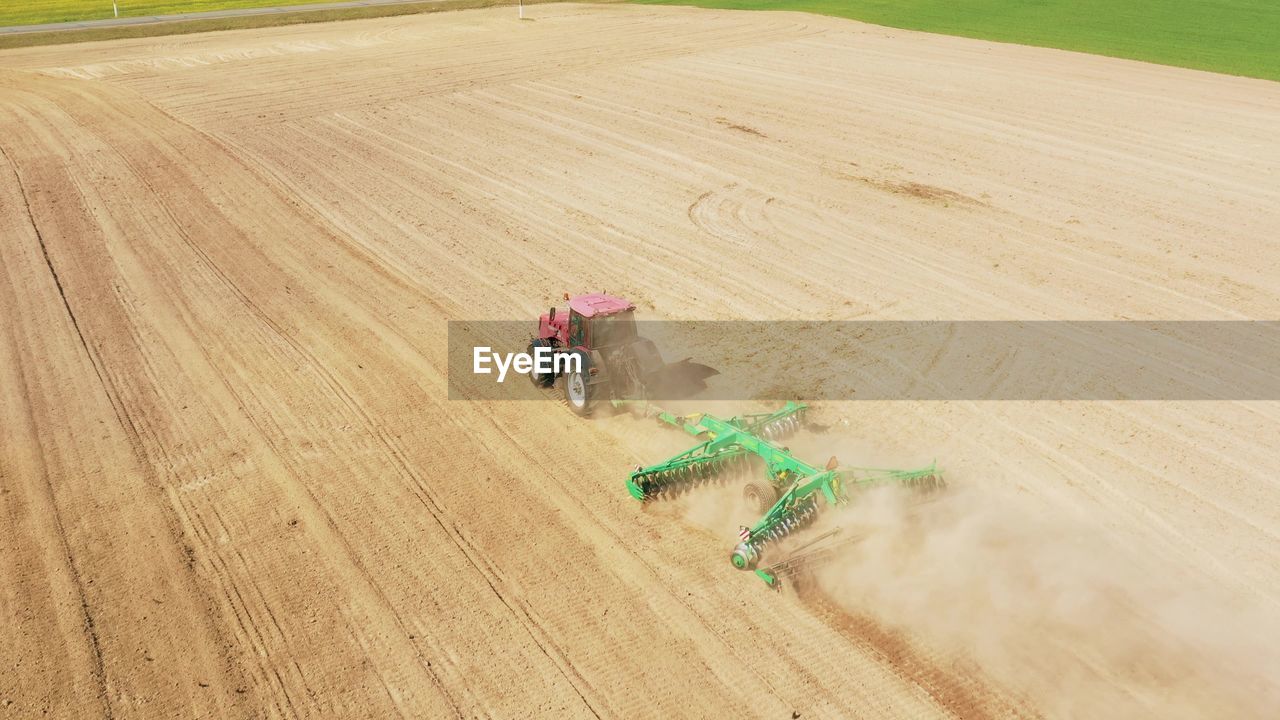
[133, 437]
[152, 445]
[621, 541]
[146, 446]
[393, 453]
[962, 692]
[90, 630]
[310, 360]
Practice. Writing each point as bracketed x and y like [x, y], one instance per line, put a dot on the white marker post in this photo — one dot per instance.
[521, 9]
[115, 8]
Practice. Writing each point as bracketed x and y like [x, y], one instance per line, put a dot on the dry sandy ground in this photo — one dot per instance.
[231, 483]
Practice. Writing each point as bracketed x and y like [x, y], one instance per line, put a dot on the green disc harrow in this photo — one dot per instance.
[789, 492]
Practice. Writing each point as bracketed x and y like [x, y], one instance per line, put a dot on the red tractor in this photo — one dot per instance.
[598, 355]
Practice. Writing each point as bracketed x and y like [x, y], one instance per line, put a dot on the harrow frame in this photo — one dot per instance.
[804, 490]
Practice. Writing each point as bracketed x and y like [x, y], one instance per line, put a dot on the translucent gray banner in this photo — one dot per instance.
[942, 360]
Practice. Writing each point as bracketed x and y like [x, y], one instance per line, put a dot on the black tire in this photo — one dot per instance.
[759, 496]
[542, 380]
[578, 395]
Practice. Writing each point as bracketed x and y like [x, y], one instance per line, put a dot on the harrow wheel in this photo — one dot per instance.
[743, 558]
[759, 496]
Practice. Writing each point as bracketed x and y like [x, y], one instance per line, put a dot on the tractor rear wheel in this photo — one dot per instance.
[760, 496]
[541, 380]
[577, 393]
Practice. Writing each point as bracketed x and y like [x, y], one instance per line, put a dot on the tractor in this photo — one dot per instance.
[614, 363]
[611, 361]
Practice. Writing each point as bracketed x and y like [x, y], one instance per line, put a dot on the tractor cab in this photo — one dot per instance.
[599, 333]
[591, 321]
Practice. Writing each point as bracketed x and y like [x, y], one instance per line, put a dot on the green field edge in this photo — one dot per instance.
[58, 12]
[1235, 62]
[1222, 58]
[184, 26]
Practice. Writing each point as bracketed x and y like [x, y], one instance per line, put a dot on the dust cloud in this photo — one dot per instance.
[1050, 604]
[1056, 608]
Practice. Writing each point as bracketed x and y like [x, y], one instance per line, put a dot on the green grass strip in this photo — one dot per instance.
[1238, 37]
[181, 27]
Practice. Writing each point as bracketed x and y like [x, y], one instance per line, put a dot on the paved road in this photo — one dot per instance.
[152, 19]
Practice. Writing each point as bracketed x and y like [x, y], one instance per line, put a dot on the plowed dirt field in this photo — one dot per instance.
[231, 482]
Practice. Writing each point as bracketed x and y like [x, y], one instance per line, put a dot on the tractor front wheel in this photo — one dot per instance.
[541, 380]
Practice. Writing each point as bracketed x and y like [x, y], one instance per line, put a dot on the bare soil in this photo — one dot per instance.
[231, 481]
